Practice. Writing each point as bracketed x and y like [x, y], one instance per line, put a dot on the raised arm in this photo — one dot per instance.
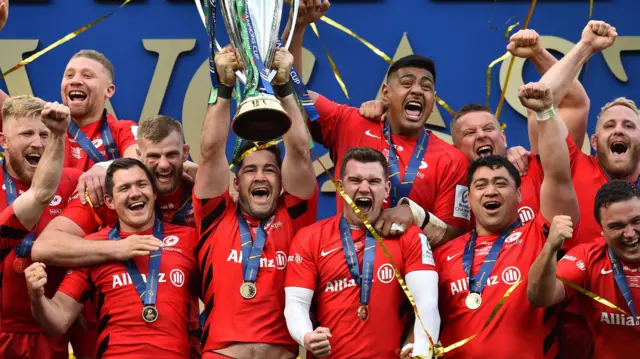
[212, 179]
[571, 98]
[309, 12]
[298, 176]
[29, 206]
[557, 195]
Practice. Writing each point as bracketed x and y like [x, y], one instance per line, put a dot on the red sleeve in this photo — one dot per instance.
[209, 211]
[451, 204]
[302, 270]
[575, 153]
[573, 267]
[76, 284]
[416, 251]
[535, 172]
[82, 215]
[12, 232]
[332, 117]
[302, 212]
[127, 132]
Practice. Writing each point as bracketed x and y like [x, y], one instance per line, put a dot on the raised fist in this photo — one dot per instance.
[4, 12]
[310, 11]
[561, 230]
[56, 117]
[599, 35]
[535, 96]
[227, 63]
[36, 277]
[372, 109]
[282, 63]
[524, 43]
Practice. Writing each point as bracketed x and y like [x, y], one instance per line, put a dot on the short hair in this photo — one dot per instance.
[620, 101]
[124, 164]
[364, 155]
[494, 162]
[466, 109]
[418, 61]
[248, 145]
[612, 192]
[98, 57]
[22, 107]
[157, 128]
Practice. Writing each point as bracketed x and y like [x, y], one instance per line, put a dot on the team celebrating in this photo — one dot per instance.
[120, 246]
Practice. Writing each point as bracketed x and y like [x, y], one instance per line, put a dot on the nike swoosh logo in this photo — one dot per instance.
[368, 133]
[605, 272]
[324, 254]
[453, 256]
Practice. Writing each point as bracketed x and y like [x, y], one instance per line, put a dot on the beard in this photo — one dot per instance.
[17, 162]
[623, 170]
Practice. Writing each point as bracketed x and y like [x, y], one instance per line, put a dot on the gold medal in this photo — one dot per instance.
[150, 313]
[473, 301]
[248, 290]
[363, 312]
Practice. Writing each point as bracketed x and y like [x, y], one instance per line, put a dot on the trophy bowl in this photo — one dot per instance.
[260, 118]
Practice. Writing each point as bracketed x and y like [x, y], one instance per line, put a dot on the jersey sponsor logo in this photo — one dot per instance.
[55, 201]
[324, 254]
[461, 203]
[281, 260]
[619, 319]
[236, 256]
[605, 272]
[513, 237]
[423, 165]
[54, 212]
[386, 274]
[134, 131]
[449, 258]
[368, 133]
[177, 277]
[427, 255]
[123, 279]
[634, 281]
[97, 142]
[569, 258]
[580, 265]
[510, 275]
[338, 285]
[295, 258]
[170, 241]
[462, 285]
[76, 152]
[526, 214]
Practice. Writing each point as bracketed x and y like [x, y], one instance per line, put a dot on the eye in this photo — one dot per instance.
[406, 84]
[480, 185]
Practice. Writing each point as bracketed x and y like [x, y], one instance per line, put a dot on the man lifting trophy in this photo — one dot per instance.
[253, 27]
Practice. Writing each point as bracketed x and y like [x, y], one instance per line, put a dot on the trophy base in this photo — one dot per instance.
[261, 118]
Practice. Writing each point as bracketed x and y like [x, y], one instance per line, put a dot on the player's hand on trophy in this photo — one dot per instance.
[372, 109]
[599, 35]
[56, 117]
[317, 342]
[227, 63]
[282, 63]
[393, 222]
[519, 157]
[524, 43]
[4, 12]
[561, 230]
[311, 11]
[36, 277]
[536, 96]
[136, 245]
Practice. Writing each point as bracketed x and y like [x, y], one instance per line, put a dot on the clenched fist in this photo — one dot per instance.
[310, 11]
[36, 278]
[561, 230]
[599, 35]
[524, 43]
[372, 109]
[227, 63]
[536, 96]
[56, 117]
[282, 63]
[317, 342]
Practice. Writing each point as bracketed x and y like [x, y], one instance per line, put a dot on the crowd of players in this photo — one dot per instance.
[113, 239]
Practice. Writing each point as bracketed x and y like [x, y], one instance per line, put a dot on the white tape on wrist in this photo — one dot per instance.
[104, 164]
[418, 213]
[546, 115]
[406, 347]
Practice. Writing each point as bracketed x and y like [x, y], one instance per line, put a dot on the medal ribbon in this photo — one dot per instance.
[89, 148]
[210, 16]
[180, 215]
[302, 93]
[147, 291]
[11, 192]
[366, 279]
[401, 188]
[251, 253]
[477, 283]
[253, 51]
[621, 281]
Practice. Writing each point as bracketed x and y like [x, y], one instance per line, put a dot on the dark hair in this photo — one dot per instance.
[124, 164]
[470, 108]
[494, 162]
[247, 145]
[612, 192]
[364, 155]
[418, 61]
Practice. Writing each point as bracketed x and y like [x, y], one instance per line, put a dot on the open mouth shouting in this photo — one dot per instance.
[137, 207]
[164, 177]
[618, 149]
[484, 151]
[76, 97]
[413, 110]
[32, 159]
[631, 243]
[492, 206]
[260, 194]
[364, 204]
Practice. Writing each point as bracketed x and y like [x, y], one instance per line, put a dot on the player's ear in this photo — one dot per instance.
[519, 193]
[185, 150]
[387, 189]
[235, 182]
[3, 140]
[108, 200]
[594, 142]
[385, 94]
[111, 90]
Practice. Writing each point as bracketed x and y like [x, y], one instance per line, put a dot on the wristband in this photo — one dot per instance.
[104, 164]
[283, 90]
[225, 91]
[547, 114]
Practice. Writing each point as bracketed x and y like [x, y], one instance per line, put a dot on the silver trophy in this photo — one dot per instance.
[253, 26]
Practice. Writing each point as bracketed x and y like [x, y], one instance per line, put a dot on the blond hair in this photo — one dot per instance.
[19, 107]
[98, 57]
[157, 128]
[620, 101]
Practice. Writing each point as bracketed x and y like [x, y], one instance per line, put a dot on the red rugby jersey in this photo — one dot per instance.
[530, 190]
[122, 333]
[317, 262]
[615, 334]
[230, 317]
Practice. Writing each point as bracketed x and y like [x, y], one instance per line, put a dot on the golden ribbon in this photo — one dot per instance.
[497, 61]
[336, 73]
[66, 38]
[506, 82]
[592, 295]
[254, 149]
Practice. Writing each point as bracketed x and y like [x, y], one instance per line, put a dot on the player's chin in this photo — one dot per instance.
[262, 210]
